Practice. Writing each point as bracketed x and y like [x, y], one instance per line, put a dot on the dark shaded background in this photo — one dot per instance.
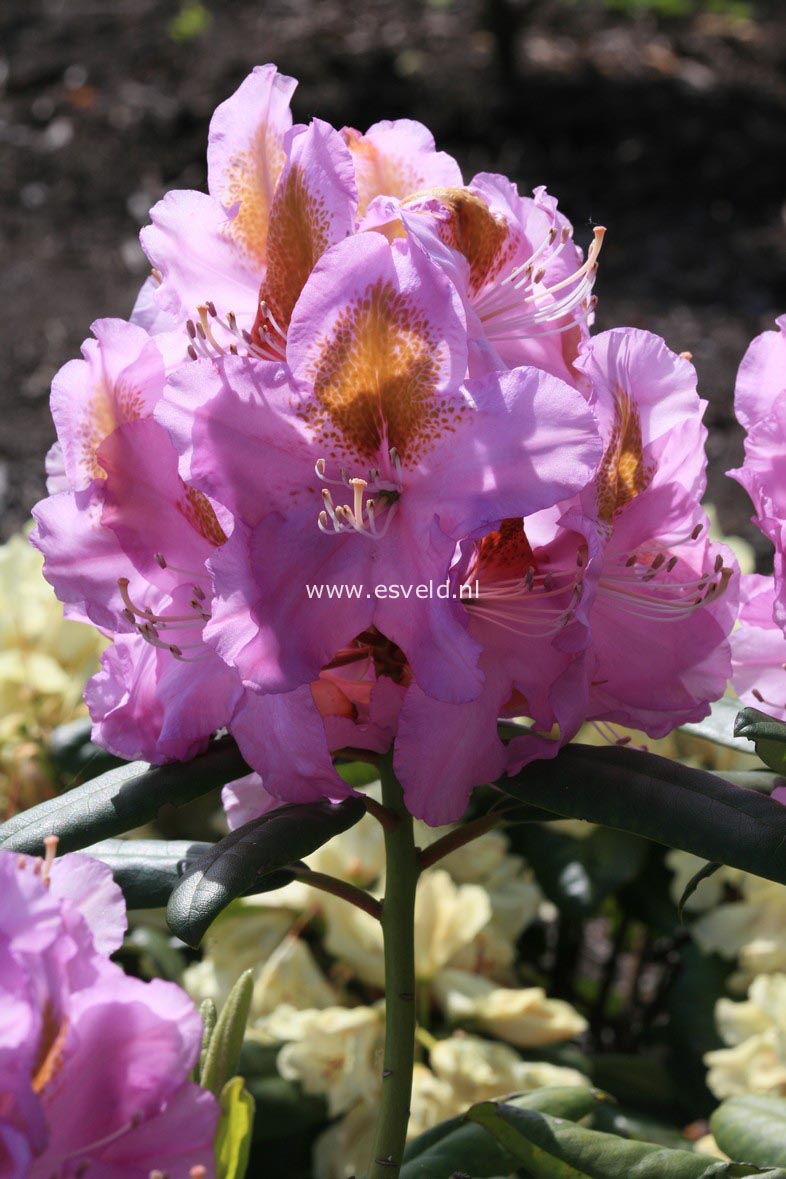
[670, 131]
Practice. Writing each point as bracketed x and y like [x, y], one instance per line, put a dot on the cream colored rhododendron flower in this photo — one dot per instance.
[521, 1016]
[753, 929]
[433, 1101]
[346, 1147]
[448, 916]
[45, 661]
[334, 1053]
[755, 1030]
[283, 966]
[480, 1070]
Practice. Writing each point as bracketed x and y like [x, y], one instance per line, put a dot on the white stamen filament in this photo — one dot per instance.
[502, 308]
[362, 516]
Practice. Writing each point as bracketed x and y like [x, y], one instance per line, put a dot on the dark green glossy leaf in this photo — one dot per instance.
[458, 1145]
[147, 869]
[661, 800]
[550, 1148]
[226, 1039]
[752, 1128]
[235, 865]
[629, 1123]
[120, 800]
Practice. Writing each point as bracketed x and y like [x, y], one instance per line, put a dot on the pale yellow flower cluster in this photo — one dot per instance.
[45, 661]
[470, 910]
[755, 1031]
[743, 918]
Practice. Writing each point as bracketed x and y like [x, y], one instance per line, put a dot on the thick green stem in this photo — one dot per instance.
[398, 926]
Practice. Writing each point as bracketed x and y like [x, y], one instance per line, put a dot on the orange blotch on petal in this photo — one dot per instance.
[375, 380]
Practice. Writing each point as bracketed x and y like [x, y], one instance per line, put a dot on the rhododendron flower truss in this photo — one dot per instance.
[93, 1064]
[526, 287]
[231, 264]
[760, 403]
[362, 463]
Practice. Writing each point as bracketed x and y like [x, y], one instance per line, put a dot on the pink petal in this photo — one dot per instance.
[245, 156]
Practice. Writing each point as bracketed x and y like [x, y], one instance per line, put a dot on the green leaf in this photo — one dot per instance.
[753, 1128]
[578, 874]
[120, 800]
[235, 1130]
[703, 873]
[767, 734]
[550, 1148]
[147, 869]
[457, 1145]
[661, 800]
[233, 866]
[629, 1123]
[209, 1016]
[223, 1050]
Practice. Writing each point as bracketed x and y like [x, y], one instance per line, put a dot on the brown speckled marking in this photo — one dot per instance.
[374, 380]
[622, 474]
[105, 413]
[251, 176]
[472, 229]
[298, 236]
[197, 510]
[504, 553]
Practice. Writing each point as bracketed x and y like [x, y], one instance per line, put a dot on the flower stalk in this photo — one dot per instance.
[398, 927]
[340, 888]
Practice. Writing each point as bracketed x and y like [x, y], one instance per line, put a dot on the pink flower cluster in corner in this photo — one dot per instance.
[350, 366]
[759, 646]
[94, 1064]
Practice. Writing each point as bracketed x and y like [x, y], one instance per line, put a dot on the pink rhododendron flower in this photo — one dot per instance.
[760, 402]
[279, 197]
[364, 461]
[526, 288]
[665, 597]
[759, 649]
[144, 539]
[617, 611]
[93, 1064]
